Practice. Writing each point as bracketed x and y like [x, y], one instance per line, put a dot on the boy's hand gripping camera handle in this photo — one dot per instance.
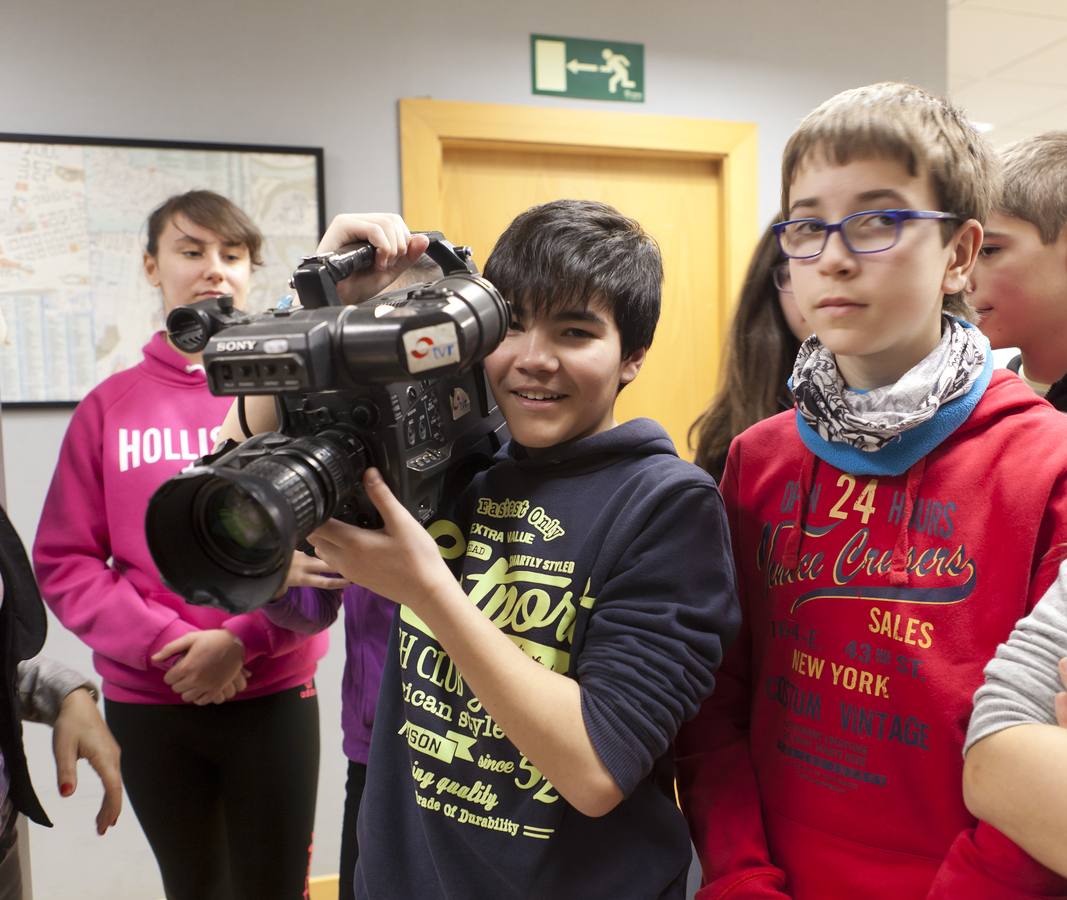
[316, 277]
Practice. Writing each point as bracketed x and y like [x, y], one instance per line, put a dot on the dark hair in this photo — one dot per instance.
[759, 357]
[569, 252]
[208, 210]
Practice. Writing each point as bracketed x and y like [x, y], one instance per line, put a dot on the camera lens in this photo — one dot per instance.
[237, 532]
[222, 534]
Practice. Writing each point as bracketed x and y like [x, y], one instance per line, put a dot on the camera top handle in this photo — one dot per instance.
[316, 277]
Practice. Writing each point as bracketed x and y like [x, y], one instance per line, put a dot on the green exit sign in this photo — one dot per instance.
[596, 70]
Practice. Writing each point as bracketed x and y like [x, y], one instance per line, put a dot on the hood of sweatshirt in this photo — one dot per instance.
[165, 364]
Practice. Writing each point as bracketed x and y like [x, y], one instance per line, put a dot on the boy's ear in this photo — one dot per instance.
[965, 245]
[151, 269]
[1061, 245]
[631, 365]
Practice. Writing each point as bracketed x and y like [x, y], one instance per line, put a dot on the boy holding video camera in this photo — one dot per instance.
[563, 617]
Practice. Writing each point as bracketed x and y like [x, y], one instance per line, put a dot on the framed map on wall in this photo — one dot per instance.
[74, 303]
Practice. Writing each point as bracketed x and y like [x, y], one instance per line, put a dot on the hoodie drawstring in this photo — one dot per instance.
[898, 569]
[808, 464]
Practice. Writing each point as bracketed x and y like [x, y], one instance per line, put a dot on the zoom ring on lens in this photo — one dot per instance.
[336, 458]
[297, 484]
[342, 459]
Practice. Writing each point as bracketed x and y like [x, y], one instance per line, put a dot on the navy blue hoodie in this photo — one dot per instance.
[608, 560]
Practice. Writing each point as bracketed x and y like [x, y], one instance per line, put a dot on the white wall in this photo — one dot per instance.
[330, 73]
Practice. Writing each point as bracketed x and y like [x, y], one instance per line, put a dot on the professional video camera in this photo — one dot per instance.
[394, 382]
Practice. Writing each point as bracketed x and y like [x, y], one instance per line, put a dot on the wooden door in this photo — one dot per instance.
[469, 169]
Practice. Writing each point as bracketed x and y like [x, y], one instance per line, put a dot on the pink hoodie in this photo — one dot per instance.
[128, 436]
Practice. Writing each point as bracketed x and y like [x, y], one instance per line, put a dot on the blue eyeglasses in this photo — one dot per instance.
[870, 231]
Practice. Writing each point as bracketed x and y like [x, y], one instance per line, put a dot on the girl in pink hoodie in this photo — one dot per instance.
[215, 714]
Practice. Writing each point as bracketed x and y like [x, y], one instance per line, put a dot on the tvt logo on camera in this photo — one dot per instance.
[431, 347]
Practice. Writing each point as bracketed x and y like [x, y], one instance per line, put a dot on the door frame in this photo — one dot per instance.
[428, 127]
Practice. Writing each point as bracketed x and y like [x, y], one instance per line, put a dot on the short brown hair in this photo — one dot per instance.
[921, 131]
[208, 210]
[1035, 183]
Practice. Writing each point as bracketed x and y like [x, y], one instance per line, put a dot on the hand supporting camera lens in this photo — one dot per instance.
[310, 571]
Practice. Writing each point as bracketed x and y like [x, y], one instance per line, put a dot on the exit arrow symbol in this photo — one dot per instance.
[574, 67]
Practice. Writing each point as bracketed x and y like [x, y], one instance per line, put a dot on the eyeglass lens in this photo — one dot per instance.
[865, 233]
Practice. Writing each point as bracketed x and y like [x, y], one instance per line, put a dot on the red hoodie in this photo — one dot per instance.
[129, 435]
[828, 763]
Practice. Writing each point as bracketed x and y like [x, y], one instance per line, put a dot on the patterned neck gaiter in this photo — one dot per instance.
[868, 421]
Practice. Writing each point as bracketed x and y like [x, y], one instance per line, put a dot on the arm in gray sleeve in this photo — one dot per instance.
[42, 686]
[1022, 680]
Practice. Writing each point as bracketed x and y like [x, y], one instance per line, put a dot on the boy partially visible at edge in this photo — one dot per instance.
[522, 740]
[1013, 776]
[888, 533]
[1019, 285]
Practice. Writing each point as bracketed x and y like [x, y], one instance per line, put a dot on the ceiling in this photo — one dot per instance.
[1007, 65]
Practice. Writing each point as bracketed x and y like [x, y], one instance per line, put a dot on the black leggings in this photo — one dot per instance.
[357, 781]
[225, 794]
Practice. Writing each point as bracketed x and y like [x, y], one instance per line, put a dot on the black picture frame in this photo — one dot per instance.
[224, 167]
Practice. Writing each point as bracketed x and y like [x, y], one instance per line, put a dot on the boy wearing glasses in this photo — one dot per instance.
[887, 533]
[1019, 286]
